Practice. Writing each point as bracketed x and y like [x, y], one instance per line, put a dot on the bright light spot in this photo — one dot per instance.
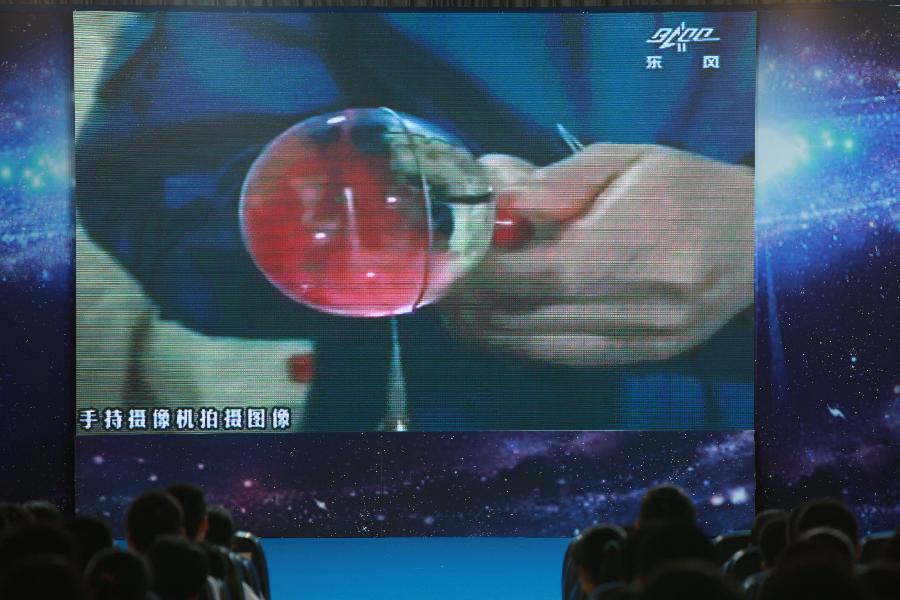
[897, 389]
[320, 235]
[19, 124]
[248, 483]
[336, 120]
[738, 496]
[27, 173]
[5, 172]
[829, 143]
[717, 500]
[853, 359]
[778, 152]
[98, 460]
[37, 183]
[826, 134]
[370, 275]
[848, 144]
[153, 477]
[391, 199]
[401, 426]
[818, 73]
[200, 466]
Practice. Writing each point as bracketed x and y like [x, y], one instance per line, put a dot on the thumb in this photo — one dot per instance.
[505, 170]
[565, 189]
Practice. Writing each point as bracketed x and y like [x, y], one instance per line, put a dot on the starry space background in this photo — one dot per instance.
[37, 296]
[828, 242]
[828, 382]
[507, 484]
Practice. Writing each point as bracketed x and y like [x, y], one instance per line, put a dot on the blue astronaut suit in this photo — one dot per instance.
[189, 100]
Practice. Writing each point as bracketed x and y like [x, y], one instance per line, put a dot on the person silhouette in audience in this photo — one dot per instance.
[155, 514]
[114, 574]
[693, 579]
[224, 567]
[662, 504]
[660, 542]
[892, 550]
[772, 541]
[760, 521]
[220, 535]
[814, 578]
[91, 535]
[597, 559]
[38, 561]
[12, 515]
[180, 569]
[34, 539]
[666, 503]
[44, 511]
[827, 512]
[880, 581]
[41, 577]
[221, 526]
[152, 514]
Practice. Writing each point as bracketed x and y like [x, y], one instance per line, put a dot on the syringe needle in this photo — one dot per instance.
[571, 141]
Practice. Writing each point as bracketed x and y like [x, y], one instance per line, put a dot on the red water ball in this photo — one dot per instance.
[337, 214]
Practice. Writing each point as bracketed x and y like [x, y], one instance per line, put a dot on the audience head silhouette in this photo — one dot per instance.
[34, 539]
[44, 511]
[697, 580]
[180, 568]
[597, 554]
[41, 577]
[827, 513]
[666, 503]
[221, 526]
[91, 536]
[760, 521]
[773, 539]
[151, 515]
[117, 575]
[193, 505]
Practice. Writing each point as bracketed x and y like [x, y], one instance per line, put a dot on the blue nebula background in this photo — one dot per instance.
[828, 241]
[37, 262]
[508, 484]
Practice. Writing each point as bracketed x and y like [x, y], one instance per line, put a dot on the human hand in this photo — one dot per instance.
[641, 252]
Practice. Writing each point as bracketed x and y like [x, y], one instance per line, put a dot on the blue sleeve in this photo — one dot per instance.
[186, 104]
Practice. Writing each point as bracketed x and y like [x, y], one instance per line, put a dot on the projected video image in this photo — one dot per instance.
[414, 222]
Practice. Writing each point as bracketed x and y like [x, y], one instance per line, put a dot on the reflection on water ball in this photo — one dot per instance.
[365, 212]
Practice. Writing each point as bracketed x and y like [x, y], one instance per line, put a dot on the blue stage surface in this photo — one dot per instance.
[415, 568]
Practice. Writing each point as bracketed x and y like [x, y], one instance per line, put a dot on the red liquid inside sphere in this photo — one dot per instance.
[331, 225]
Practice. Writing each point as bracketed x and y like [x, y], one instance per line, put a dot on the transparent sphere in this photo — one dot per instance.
[365, 212]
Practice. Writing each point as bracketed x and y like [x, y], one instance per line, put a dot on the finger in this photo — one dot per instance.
[565, 189]
[611, 319]
[587, 350]
[510, 231]
[505, 170]
[524, 273]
